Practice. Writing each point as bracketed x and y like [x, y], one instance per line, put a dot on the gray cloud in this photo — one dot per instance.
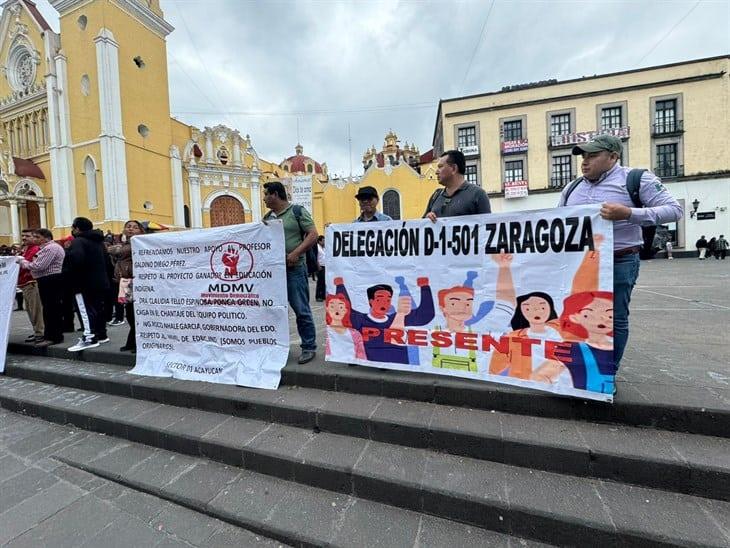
[260, 66]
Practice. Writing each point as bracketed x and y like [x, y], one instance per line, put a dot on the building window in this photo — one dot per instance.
[666, 160]
[467, 136]
[471, 174]
[92, 196]
[559, 124]
[391, 204]
[665, 116]
[310, 169]
[513, 171]
[186, 215]
[611, 118]
[512, 131]
[562, 171]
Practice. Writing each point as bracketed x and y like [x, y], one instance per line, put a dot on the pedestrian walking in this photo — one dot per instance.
[701, 246]
[300, 235]
[604, 182]
[712, 248]
[722, 246]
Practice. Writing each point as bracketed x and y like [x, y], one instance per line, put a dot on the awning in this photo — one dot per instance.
[26, 168]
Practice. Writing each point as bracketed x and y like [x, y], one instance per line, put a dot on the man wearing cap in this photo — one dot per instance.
[458, 197]
[367, 197]
[604, 182]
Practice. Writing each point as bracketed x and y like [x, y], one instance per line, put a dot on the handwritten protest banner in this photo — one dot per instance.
[211, 305]
[518, 298]
[8, 281]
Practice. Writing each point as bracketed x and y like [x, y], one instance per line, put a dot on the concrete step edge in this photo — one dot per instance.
[546, 451]
[489, 510]
[630, 407]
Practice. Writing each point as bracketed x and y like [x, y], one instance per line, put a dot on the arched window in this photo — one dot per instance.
[391, 204]
[91, 190]
[186, 215]
[309, 168]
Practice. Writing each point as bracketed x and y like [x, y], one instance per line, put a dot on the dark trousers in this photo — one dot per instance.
[131, 339]
[68, 309]
[51, 291]
[114, 310]
[320, 291]
[91, 309]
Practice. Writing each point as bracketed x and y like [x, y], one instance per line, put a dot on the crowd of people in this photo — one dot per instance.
[89, 274]
[85, 277]
[715, 247]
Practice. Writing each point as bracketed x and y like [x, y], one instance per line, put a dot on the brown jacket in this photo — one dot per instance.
[123, 255]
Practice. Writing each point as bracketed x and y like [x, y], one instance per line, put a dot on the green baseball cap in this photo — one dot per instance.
[599, 143]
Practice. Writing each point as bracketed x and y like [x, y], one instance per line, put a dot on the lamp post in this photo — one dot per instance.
[695, 205]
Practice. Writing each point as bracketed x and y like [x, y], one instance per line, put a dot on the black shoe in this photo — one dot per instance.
[306, 357]
[126, 348]
[31, 338]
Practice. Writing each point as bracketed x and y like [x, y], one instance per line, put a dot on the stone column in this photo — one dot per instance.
[196, 208]
[209, 146]
[236, 149]
[255, 199]
[14, 220]
[178, 211]
[42, 209]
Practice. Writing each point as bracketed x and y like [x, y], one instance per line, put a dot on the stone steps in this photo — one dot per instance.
[695, 410]
[557, 508]
[685, 463]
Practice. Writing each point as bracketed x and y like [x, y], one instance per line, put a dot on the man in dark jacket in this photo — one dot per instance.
[85, 270]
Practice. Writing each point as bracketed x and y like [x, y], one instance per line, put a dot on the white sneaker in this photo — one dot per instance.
[115, 323]
[82, 345]
[103, 341]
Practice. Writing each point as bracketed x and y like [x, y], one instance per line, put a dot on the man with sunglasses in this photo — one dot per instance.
[458, 197]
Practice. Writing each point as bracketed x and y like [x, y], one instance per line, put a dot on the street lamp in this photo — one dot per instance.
[695, 205]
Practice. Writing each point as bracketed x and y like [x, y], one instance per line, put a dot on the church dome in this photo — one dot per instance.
[299, 163]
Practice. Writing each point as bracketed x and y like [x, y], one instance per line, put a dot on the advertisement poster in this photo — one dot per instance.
[522, 298]
[210, 305]
[301, 191]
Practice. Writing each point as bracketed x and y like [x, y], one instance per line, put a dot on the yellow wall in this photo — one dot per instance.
[704, 102]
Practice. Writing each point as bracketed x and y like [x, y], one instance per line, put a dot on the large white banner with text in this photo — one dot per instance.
[8, 281]
[211, 305]
[522, 298]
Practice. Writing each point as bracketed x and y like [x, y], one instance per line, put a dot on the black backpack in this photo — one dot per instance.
[633, 185]
[311, 253]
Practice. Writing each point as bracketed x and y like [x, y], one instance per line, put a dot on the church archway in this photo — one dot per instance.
[226, 210]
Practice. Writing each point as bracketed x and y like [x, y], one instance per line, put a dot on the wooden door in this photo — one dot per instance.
[33, 213]
[226, 210]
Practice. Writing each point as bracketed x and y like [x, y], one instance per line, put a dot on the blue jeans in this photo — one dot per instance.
[297, 290]
[625, 273]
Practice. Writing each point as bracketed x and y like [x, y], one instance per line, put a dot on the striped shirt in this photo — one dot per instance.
[49, 260]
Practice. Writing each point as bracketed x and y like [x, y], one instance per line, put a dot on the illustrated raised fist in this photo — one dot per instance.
[421, 282]
[230, 261]
[339, 281]
[502, 259]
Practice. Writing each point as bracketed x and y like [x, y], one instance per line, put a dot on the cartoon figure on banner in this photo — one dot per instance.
[340, 334]
[375, 326]
[536, 321]
[588, 317]
[456, 306]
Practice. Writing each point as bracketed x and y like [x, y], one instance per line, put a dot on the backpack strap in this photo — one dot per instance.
[433, 198]
[633, 186]
[570, 188]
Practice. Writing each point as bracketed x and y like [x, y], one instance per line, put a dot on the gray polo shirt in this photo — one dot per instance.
[469, 199]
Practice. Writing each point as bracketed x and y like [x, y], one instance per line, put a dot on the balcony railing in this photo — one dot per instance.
[666, 171]
[560, 181]
[667, 127]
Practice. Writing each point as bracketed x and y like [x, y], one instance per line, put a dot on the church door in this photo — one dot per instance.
[32, 213]
[226, 210]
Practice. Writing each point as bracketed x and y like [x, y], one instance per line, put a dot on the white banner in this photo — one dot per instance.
[301, 191]
[521, 298]
[211, 305]
[8, 282]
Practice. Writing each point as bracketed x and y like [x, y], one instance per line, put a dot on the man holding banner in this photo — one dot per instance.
[458, 197]
[605, 182]
[299, 235]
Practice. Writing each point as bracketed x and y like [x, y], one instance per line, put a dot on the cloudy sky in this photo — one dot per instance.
[267, 67]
